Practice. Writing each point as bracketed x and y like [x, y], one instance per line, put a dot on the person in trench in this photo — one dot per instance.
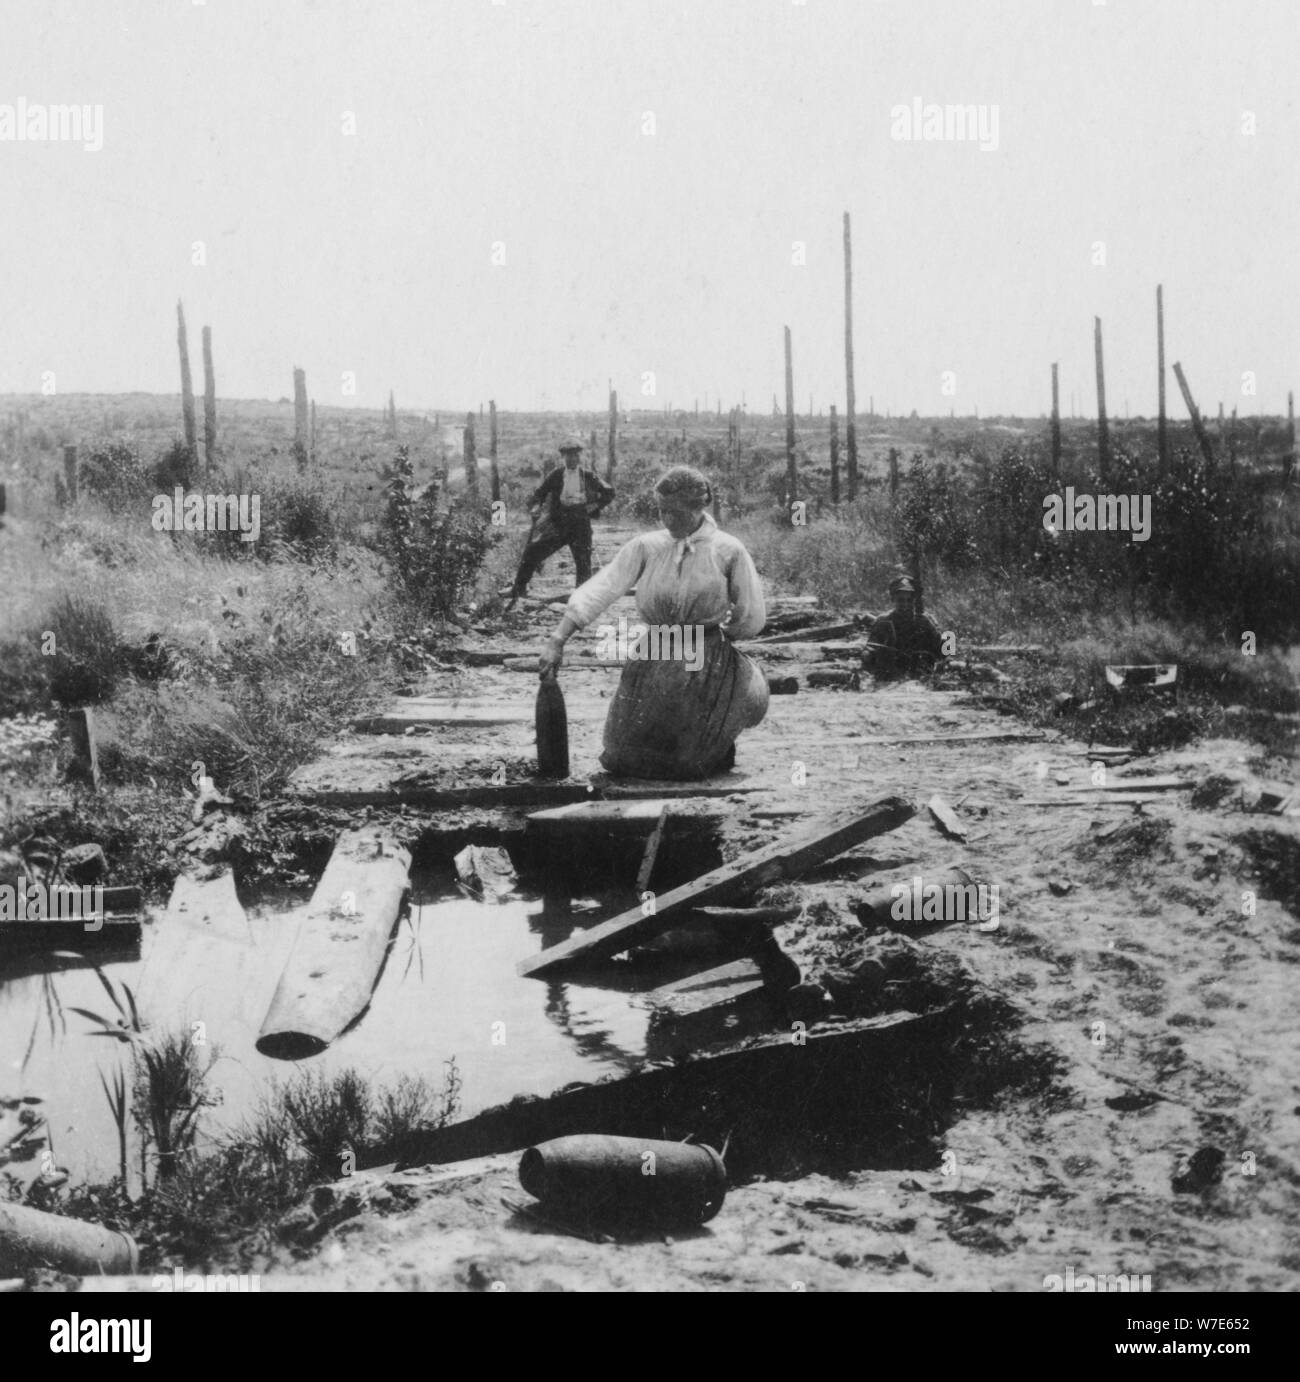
[677, 716]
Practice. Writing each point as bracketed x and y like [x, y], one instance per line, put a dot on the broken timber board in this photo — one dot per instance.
[946, 818]
[1140, 784]
[200, 959]
[987, 735]
[809, 635]
[336, 958]
[507, 795]
[622, 817]
[651, 855]
[786, 858]
[626, 791]
[433, 712]
[725, 984]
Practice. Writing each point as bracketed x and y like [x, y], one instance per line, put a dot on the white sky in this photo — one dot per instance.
[522, 122]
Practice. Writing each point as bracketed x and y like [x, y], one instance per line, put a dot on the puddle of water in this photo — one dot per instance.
[449, 988]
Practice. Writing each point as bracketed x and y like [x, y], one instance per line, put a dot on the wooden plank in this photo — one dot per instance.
[1139, 784]
[725, 984]
[727, 785]
[975, 736]
[102, 933]
[1097, 799]
[946, 818]
[199, 959]
[510, 794]
[613, 817]
[580, 662]
[429, 712]
[651, 855]
[336, 959]
[812, 635]
[1003, 649]
[786, 858]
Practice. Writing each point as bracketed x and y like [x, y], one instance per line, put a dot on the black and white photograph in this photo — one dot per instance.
[650, 647]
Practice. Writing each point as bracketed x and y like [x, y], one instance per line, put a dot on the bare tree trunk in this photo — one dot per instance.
[1202, 436]
[209, 404]
[613, 431]
[187, 387]
[300, 417]
[1103, 428]
[850, 398]
[471, 454]
[835, 456]
[791, 473]
[1162, 425]
[492, 450]
[1056, 424]
[1288, 462]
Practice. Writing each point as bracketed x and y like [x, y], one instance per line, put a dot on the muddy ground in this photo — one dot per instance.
[1132, 1103]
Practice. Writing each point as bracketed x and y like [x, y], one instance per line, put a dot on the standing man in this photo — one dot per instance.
[563, 506]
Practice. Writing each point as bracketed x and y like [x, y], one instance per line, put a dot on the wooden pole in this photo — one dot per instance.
[613, 434]
[835, 457]
[1232, 442]
[791, 475]
[300, 416]
[471, 454]
[312, 444]
[84, 765]
[1103, 431]
[850, 398]
[209, 404]
[187, 386]
[1162, 424]
[1056, 424]
[492, 449]
[893, 473]
[1202, 436]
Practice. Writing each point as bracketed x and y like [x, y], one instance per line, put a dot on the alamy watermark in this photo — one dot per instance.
[1100, 513]
[34, 122]
[919, 901]
[651, 643]
[949, 124]
[213, 513]
[181, 1280]
[41, 902]
[1123, 1281]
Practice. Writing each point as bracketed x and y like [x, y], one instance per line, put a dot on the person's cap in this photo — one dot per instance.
[902, 585]
[572, 444]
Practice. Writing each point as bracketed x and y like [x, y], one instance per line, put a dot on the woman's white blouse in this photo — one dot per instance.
[707, 578]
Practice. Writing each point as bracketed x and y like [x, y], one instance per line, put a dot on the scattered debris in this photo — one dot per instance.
[486, 872]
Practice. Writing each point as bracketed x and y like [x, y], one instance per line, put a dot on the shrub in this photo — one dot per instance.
[87, 658]
[436, 552]
[116, 475]
[174, 467]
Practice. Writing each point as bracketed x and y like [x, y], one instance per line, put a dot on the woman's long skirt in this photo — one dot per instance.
[667, 721]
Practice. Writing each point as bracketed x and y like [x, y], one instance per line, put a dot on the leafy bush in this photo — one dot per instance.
[436, 552]
[174, 467]
[116, 475]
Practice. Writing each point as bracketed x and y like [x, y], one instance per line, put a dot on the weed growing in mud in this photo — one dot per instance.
[230, 1206]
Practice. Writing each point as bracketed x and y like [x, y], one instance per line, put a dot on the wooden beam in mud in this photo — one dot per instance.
[727, 983]
[336, 959]
[787, 858]
[610, 817]
[718, 1088]
[199, 960]
[420, 712]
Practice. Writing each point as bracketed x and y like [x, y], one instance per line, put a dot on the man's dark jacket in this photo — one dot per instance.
[598, 493]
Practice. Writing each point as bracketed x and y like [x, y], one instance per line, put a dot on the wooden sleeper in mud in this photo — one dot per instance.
[335, 962]
[601, 1178]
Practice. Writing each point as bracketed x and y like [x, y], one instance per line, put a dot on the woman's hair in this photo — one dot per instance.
[686, 483]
